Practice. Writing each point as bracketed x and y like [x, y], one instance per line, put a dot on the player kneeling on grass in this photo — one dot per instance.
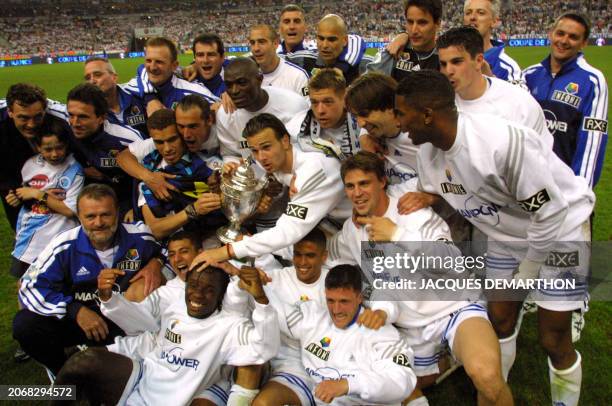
[347, 363]
[185, 356]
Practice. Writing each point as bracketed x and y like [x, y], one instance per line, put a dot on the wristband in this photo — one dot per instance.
[191, 212]
[229, 253]
[44, 197]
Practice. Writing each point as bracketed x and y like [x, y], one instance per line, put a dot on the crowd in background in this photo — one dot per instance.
[38, 27]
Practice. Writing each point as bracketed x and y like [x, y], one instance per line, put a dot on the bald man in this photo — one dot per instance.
[277, 72]
[335, 49]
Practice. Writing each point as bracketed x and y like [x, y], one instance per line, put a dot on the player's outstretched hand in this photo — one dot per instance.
[106, 281]
[206, 203]
[228, 104]
[189, 72]
[372, 319]
[371, 144]
[92, 324]
[413, 201]
[152, 275]
[379, 228]
[327, 391]
[264, 204]
[209, 257]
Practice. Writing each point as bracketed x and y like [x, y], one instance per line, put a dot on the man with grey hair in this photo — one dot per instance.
[484, 15]
[123, 107]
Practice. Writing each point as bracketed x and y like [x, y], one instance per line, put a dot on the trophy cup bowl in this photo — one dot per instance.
[241, 194]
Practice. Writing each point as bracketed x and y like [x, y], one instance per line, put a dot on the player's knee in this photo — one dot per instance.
[485, 373]
[264, 398]
[556, 342]
[23, 326]
[85, 362]
[503, 324]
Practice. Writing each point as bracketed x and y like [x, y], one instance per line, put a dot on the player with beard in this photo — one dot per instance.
[58, 290]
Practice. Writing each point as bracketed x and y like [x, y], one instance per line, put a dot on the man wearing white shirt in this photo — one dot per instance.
[315, 178]
[513, 188]
[243, 80]
[428, 323]
[277, 71]
[327, 126]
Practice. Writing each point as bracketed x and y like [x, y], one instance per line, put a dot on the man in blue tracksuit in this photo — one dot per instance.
[58, 292]
[574, 97]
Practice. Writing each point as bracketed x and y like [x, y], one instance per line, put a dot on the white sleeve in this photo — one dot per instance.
[527, 173]
[254, 342]
[141, 148]
[236, 300]
[132, 317]
[227, 141]
[390, 378]
[294, 319]
[339, 250]
[317, 196]
[75, 187]
[136, 347]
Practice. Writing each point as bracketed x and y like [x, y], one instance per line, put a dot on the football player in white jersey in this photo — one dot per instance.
[327, 126]
[196, 338]
[513, 188]
[348, 364]
[243, 80]
[370, 99]
[277, 72]
[428, 323]
[318, 192]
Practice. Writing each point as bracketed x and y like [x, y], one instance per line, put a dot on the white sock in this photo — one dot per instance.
[508, 353]
[240, 396]
[565, 384]
[420, 401]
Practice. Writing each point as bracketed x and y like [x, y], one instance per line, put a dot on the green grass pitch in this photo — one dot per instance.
[529, 377]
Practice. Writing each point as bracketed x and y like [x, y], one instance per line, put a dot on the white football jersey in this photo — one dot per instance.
[376, 363]
[188, 353]
[282, 103]
[421, 225]
[510, 102]
[287, 76]
[36, 223]
[503, 178]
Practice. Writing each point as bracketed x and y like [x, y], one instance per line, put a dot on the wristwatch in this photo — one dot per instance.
[44, 197]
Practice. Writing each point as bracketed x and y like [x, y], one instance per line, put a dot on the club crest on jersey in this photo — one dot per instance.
[171, 335]
[304, 298]
[535, 202]
[297, 211]
[132, 254]
[173, 107]
[449, 176]
[566, 98]
[111, 160]
[401, 359]
[325, 341]
[317, 351]
[572, 88]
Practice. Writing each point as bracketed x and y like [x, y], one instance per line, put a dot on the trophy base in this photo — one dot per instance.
[228, 235]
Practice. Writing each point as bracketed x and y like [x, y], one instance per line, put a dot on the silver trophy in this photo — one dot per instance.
[241, 194]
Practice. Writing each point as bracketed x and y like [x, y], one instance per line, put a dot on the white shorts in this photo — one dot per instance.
[130, 395]
[217, 393]
[429, 341]
[291, 373]
[568, 260]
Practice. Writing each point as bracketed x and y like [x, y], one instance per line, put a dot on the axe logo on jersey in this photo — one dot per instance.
[594, 124]
[401, 359]
[174, 357]
[566, 98]
[317, 351]
[171, 335]
[111, 160]
[297, 211]
[535, 202]
[563, 259]
[454, 188]
[243, 145]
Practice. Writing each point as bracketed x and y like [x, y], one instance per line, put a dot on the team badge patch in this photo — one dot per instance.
[325, 342]
[535, 202]
[132, 254]
[304, 298]
[448, 175]
[572, 88]
[297, 211]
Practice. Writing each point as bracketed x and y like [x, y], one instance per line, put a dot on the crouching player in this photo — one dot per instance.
[196, 338]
